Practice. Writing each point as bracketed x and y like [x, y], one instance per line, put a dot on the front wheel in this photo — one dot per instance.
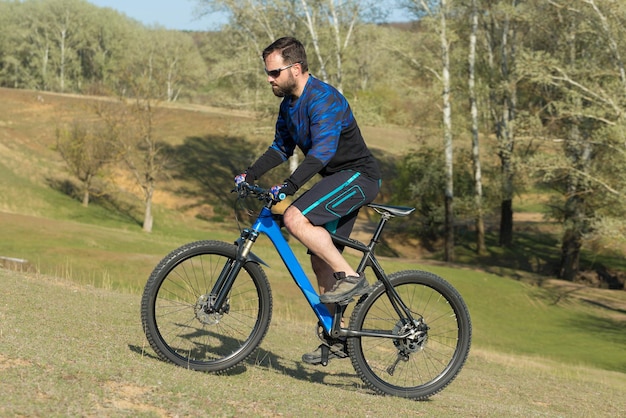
[177, 308]
[432, 349]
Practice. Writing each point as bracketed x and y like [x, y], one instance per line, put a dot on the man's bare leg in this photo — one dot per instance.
[325, 279]
[317, 239]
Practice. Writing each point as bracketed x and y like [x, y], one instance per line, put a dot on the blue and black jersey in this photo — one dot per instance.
[320, 123]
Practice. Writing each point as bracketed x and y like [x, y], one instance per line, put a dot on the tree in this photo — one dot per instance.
[254, 20]
[10, 67]
[439, 11]
[65, 34]
[131, 125]
[341, 19]
[420, 178]
[109, 37]
[143, 154]
[579, 76]
[501, 21]
[174, 63]
[130, 122]
[86, 150]
[33, 47]
[478, 188]
[61, 26]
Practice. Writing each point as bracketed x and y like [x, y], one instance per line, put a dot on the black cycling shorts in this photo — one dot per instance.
[334, 201]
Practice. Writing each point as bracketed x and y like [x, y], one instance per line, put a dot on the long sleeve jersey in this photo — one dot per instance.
[320, 123]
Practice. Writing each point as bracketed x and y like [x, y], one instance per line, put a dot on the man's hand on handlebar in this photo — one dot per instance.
[240, 178]
[277, 192]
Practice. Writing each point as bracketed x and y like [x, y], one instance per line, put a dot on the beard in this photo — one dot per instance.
[286, 88]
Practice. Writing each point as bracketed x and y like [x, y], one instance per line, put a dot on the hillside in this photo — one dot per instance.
[29, 120]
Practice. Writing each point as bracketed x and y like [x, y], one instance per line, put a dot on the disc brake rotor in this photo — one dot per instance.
[205, 313]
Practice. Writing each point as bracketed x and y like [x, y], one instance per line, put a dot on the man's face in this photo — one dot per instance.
[283, 82]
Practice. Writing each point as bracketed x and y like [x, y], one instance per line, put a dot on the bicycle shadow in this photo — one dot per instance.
[272, 362]
[299, 370]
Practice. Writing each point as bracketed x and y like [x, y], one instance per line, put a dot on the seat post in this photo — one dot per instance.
[379, 229]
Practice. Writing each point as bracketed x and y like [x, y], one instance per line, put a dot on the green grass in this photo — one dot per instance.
[515, 317]
[118, 258]
[73, 350]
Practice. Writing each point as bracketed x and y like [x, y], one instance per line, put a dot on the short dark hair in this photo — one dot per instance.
[290, 49]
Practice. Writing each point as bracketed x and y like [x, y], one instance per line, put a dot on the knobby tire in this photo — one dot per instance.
[180, 331]
[418, 369]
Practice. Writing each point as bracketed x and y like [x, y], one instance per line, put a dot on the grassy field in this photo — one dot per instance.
[74, 350]
[71, 342]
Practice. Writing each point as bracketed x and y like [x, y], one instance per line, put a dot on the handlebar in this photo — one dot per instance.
[245, 189]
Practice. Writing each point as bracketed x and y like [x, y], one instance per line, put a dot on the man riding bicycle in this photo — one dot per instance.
[317, 118]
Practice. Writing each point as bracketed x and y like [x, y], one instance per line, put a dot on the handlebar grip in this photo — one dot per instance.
[282, 196]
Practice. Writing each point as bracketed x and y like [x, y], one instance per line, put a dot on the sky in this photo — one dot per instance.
[175, 14]
[171, 14]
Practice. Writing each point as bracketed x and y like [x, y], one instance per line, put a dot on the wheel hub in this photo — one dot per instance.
[417, 338]
[205, 311]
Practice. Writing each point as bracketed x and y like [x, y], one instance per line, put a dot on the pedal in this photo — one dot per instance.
[346, 302]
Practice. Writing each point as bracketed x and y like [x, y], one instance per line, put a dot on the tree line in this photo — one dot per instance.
[74, 46]
[542, 79]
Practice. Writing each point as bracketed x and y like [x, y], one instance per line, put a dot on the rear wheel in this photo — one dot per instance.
[432, 349]
[177, 308]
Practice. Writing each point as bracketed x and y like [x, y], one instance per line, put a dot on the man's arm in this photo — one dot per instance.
[270, 159]
[305, 172]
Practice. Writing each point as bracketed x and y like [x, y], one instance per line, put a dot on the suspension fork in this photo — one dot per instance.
[232, 268]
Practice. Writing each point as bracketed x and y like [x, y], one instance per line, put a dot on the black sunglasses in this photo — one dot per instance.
[276, 73]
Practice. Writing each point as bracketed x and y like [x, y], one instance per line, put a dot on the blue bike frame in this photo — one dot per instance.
[266, 224]
[331, 323]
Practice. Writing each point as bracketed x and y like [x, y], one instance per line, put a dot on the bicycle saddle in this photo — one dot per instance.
[392, 210]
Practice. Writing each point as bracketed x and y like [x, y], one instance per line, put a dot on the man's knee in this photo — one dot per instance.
[291, 218]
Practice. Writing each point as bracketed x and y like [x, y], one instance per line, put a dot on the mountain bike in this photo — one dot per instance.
[208, 304]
